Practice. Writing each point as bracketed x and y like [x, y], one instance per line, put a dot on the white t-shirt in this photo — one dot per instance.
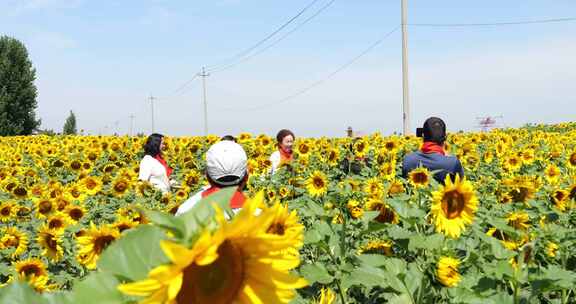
[191, 201]
[151, 170]
[275, 159]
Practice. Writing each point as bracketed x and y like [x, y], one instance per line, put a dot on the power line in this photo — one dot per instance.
[259, 43]
[275, 42]
[557, 20]
[321, 81]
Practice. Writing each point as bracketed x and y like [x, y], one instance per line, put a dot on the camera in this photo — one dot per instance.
[420, 132]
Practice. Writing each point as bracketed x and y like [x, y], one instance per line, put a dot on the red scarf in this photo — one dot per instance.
[237, 200]
[163, 162]
[432, 147]
[285, 156]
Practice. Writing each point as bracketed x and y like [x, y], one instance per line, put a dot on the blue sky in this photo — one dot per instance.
[102, 59]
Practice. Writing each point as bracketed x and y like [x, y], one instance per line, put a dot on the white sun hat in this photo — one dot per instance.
[226, 160]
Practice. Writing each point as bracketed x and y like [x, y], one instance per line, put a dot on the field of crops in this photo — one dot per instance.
[337, 225]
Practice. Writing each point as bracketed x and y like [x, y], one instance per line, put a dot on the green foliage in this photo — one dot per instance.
[17, 90]
[70, 125]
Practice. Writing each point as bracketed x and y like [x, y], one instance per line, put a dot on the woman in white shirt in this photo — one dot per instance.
[285, 139]
[153, 168]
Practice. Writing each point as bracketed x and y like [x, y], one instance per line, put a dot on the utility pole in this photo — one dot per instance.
[131, 124]
[152, 98]
[116, 131]
[204, 75]
[405, 88]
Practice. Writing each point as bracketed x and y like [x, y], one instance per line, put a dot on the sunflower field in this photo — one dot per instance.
[338, 224]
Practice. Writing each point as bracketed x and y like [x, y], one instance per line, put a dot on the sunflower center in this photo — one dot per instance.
[6, 211]
[75, 165]
[76, 214]
[318, 182]
[11, 241]
[276, 228]
[90, 184]
[386, 215]
[102, 242]
[120, 187]
[44, 207]
[55, 224]
[217, 283]
[453, 204]
[420, 178]
[20, 191]
[51, 242]
[520, 195]
[573, 159]
[31, 269]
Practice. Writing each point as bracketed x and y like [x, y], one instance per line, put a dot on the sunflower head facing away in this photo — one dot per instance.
[447, 271]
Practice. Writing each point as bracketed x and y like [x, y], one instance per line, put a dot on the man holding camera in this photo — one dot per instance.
[432, 155]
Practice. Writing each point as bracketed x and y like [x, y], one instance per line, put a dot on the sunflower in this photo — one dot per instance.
[560, 198]
[58, 221]
[50, 240]
[388, 170]
[572, 160]
[285, 223]
[512, 163]
[572, 192]
[333, 156]
[551, 249]
[447, 271]
[122, 224]
[361, 148]
[7, 211]
[522, 188]
[420, 177]
[377, 247]
[519, 220]
[33, 270]
[355, 208]
[120, 186]
[454, 206]
[317, 184]
[90, 185]
[44, 207]
[192, 179]
[507, 241]
[387, 214]
[373, 187]
[552, 174]
[396, 187]
[75, 212]
[327, 296]
[93, 243]
[239, 263]
[20, 191]
[14, 238]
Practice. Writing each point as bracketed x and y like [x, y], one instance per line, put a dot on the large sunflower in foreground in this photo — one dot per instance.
[317, 184]
[454, 206]
[238, 263]
[447, 271]
[93, 242]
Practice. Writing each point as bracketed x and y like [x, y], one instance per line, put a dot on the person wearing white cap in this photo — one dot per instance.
[226, 166]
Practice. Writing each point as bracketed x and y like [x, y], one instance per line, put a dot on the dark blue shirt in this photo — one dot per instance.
[433, 161]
